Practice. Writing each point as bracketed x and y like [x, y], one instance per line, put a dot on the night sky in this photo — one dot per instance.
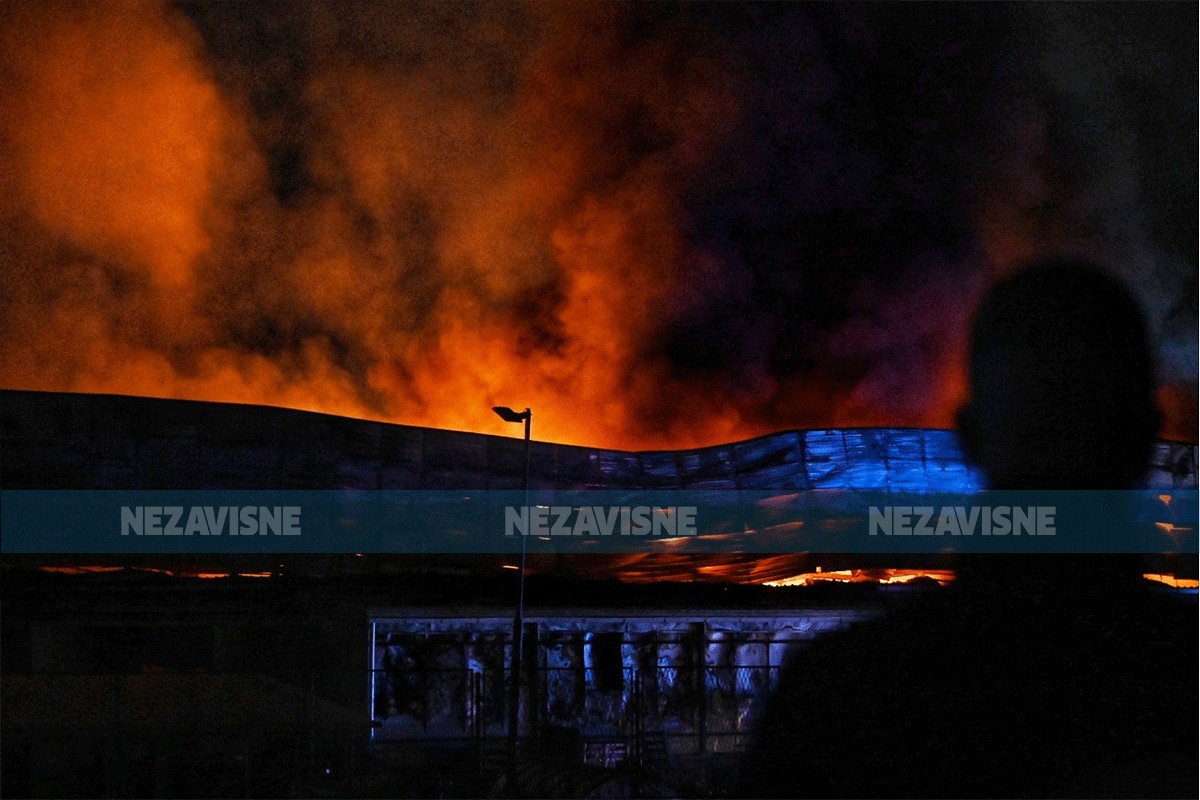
[656, 224]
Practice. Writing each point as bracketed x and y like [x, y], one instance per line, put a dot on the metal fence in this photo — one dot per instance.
[643, 714]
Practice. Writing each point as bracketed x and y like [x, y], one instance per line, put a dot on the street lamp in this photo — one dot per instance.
[514, 705]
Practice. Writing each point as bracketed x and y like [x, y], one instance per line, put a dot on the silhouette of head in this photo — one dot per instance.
[1061, 382]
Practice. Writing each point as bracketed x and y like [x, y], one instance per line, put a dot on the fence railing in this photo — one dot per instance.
[648, 713]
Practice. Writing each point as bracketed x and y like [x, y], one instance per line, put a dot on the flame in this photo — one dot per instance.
[95, 569]
[80, 570]
[503, 213]
[773, 571]
[880, 576]
[1172, 580]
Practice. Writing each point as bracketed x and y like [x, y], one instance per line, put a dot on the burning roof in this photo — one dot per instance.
[83, 441]
[79, 441]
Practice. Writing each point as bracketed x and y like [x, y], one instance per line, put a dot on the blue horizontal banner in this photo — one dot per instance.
[596, 521]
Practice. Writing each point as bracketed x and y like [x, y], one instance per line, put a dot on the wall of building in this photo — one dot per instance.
[694, 678]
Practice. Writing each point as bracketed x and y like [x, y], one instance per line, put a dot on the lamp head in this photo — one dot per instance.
[508, 415]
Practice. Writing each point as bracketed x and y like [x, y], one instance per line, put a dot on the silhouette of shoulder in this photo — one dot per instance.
[983, 690]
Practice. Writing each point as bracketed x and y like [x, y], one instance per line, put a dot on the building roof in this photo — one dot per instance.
[84, 441]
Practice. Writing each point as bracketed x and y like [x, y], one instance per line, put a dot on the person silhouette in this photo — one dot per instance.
[1031, 675]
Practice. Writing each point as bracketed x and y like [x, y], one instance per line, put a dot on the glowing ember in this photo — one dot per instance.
[881, 576]
[1173, 581]
[80, 570]
[177, 573]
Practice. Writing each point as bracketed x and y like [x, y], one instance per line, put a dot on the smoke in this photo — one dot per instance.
[658, 226]
[1095, 156]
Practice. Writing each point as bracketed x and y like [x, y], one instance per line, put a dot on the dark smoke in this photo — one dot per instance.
[658, 225]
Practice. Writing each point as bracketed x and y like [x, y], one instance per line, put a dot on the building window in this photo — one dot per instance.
[606, 660]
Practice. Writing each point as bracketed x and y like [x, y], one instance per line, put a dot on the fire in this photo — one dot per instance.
[98, 569]
[881, 576]
[1173, 581]
[513, 220]
[751, 572]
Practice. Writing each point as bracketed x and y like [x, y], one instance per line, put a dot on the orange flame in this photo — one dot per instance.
[465, 246]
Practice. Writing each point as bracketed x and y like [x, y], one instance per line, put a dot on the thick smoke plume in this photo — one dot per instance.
[659, 226]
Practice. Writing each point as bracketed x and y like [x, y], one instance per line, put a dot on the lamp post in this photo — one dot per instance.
[514, 704]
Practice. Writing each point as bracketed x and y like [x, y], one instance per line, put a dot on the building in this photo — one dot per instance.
[362, 674]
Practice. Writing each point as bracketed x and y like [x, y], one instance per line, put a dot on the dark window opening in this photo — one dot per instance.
[606, 660]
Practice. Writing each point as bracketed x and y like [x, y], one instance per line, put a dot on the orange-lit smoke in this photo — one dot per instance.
[141, 229]
[471, 233]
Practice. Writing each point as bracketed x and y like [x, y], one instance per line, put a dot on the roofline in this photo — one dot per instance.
[592, 448]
